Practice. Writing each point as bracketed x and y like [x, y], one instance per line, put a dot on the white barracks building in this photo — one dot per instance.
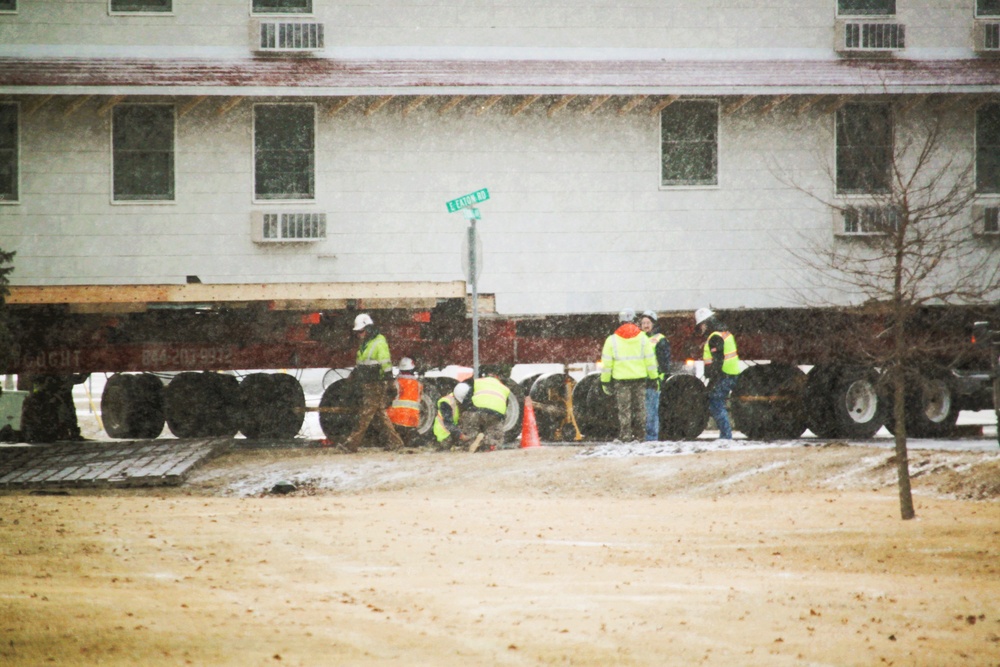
[663, 154]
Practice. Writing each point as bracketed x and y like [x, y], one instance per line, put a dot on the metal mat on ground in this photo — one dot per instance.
[95, 464]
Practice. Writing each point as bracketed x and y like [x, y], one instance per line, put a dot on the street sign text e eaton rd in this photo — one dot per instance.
[468, 200]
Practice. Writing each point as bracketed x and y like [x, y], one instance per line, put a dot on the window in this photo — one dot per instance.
[689, 141]
[988, 149]
[8, 153]
[988, 8]
[135, 6]
[866, 7]
[8, 5]
[284, 147]
[864, 148]
[143, 152]
[282, 6]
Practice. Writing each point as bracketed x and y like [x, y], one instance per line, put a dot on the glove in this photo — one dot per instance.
[606, 388]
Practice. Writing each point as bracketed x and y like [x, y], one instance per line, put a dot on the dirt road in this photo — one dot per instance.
[551, 556]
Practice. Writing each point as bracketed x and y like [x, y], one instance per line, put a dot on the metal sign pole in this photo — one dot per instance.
[475, 298]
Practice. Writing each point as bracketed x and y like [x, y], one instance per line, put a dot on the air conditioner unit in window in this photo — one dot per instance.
[287, 227]
[986, 220]
[986, 37]
[866, 220]
[870, 37]
[286, 37]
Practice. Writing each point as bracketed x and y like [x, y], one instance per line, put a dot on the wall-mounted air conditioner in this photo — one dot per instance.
[287, 227]
[986, 220]
[871, 220]
[288, 37]
[986, 37]
[870, 37]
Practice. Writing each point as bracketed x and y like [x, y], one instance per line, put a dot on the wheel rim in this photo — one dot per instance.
[861, 401]
[937, 401]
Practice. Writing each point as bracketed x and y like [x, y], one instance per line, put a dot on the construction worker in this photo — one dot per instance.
[372, 371]
[722, 366]
[404, 411]
[627, 367]
[446, 429]
[649, 323]
[483, 420]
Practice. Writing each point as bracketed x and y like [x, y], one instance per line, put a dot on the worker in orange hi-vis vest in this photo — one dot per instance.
[405, 409]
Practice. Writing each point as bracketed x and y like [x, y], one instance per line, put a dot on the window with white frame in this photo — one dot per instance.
[8, 152]
[284, 151]
[866, 7]
[988, 8]
[282, 6]
[689, 143]
[988, 149]
[142, 140]
[864, 148]
[141, 6]
[8, 5]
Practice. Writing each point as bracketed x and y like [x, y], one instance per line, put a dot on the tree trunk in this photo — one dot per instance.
[906, 510]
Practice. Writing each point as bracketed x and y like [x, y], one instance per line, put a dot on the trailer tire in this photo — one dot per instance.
[132, 406]
[595, 411]
[272, 405]
[512, 421]
[844, 402]
[424, 433]
[931, 409]
[683, 408]
[548, 390]
[767, 402]
[342, 395]
[200, 405]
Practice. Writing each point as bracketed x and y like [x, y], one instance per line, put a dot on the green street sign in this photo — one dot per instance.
[468, 200]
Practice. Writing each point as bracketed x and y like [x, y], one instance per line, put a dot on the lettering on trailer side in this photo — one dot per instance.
[51, 360]
[186, 357]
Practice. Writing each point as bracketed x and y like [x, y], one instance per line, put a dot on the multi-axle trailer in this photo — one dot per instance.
[165, 348]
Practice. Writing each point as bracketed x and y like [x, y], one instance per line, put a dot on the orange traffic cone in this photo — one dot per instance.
[529, 430]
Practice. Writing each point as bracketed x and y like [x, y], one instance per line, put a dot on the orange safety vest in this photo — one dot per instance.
[405, 410]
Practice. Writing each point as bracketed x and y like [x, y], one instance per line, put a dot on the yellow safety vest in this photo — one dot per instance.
[374, 358]
[653, 341]
[627, 358]
[731, 360]
[440, 432]
[490, 394]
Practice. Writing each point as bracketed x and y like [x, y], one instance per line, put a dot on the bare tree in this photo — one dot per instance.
[908, 244]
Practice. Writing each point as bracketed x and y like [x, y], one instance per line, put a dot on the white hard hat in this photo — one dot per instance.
[626, 315]
[702, 314]
[406, 364]
[650, 314]
[361, 321]
[461, 391]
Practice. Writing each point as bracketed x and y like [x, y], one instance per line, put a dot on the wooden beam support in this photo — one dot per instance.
[188, 106]
[109, 104]
[736, 105]
[559, 104]
[632, 103]
[487, 104]
[36, 104]
[451, 104]
[414, 104]
[525, 103]
[773, 103]
[809, 102]
[838, 101]
[340, 104]
[596, 104]
[76, 104]
[229, 105]
[378, 104]
[663, 104]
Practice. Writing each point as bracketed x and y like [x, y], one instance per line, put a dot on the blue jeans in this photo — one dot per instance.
[717, 396]
[652, 414]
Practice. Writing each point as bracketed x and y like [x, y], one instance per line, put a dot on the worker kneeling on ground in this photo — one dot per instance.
[449, 411]
[483, 420]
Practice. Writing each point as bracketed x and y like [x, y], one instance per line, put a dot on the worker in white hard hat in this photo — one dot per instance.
[372, 372]
[627, 365]
[404, 412]
[650, 325]
[722, 367]
[449, 411]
